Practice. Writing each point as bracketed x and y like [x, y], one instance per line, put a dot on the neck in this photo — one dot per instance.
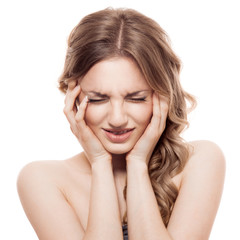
[119, 171]
[119, 163]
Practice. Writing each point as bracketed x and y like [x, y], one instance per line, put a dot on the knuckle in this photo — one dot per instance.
[158, 116]
[165, 108]
[69, 95]
[71, 84]
[66, 110]
[78, 119]
[65, 100]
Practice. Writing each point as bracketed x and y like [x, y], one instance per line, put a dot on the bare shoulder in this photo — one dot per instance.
[52, 170]
[39, 171]
[207, 156]
[41, 187]
[200, 192]
[41, 167]
[206, 164]
[205, 145]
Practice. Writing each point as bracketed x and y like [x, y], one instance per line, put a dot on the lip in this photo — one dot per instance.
[118, 135]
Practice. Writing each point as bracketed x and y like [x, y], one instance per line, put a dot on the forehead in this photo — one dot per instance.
[115, 74]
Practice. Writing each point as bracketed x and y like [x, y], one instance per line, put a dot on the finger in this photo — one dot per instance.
[81, 113]
[71, 85]
[156, 117]
[151, 132]
[163, 112]
[156, 107]
[70, 106]
[70, 91]
[70, 98]
[158, 121]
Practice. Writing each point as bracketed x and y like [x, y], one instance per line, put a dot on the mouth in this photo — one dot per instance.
[118, 132]
[118, 135]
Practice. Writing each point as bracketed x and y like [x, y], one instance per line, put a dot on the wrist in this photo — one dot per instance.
[137, 166]
[101, 164]
[99, 158]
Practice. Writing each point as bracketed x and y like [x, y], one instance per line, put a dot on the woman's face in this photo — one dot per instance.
[120, 103]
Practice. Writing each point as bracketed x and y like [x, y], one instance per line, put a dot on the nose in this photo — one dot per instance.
[117, 115]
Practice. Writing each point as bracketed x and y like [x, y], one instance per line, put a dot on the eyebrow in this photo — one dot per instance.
[136, 93]
[98, 94]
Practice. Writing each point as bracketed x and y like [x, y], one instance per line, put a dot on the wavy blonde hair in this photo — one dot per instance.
[127, 33]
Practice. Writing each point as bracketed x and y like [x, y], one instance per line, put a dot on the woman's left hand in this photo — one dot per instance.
[144, 147]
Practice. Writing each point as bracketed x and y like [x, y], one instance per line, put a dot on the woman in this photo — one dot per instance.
[136, 176]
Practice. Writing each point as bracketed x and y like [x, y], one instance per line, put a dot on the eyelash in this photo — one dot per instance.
[96, 100]
[129, 99]
[137, 99]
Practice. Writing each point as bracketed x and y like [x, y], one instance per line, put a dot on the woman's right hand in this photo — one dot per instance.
[93, 148]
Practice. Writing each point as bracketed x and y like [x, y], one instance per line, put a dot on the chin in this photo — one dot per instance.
[118, 152]
[118, 149]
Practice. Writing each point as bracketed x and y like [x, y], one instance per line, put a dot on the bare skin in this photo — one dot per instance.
[82, 197]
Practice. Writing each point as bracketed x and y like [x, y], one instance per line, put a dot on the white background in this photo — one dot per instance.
[33, 35]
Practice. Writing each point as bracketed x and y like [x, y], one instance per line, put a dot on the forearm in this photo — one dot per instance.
[144, 219]
[104, 216]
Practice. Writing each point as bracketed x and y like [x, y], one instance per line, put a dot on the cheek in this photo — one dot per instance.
[139, 113]
[142, 114]
[94, 116]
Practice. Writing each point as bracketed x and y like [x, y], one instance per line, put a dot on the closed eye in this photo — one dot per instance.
[143, 99]
[102, 100]
[96, 100]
